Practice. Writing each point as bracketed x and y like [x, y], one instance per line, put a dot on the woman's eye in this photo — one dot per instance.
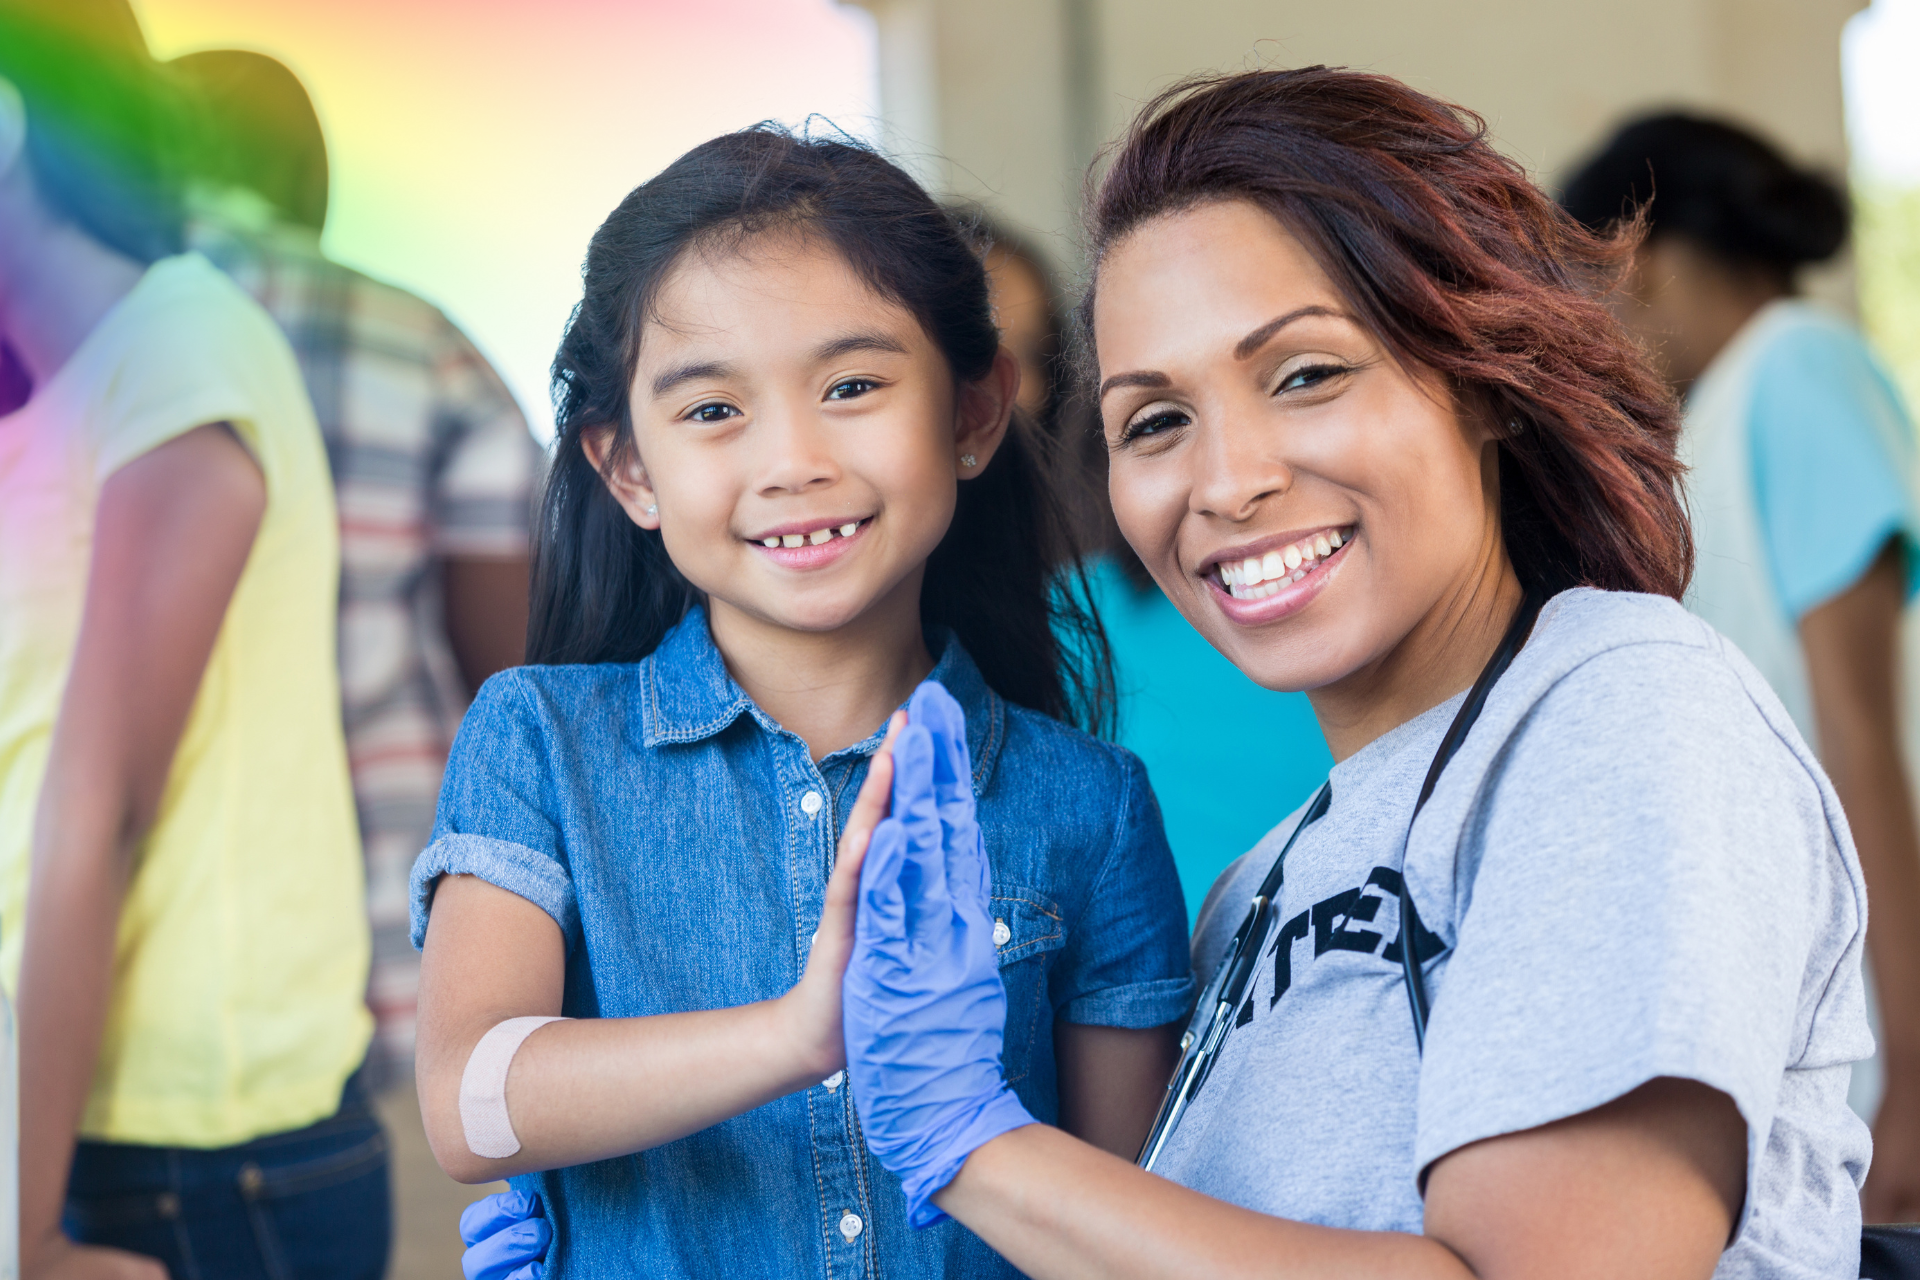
[1153, 424]
[851, 388]
[1311, 375]
[716, 411]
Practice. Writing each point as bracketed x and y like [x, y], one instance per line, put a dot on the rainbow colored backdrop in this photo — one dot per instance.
[476, 144]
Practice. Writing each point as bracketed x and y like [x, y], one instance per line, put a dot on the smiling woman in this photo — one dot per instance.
[1560, 973]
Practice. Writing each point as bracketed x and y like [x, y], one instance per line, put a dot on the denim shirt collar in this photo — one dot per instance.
[690, 697]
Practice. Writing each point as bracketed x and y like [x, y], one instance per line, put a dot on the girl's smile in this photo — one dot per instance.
[809, 545]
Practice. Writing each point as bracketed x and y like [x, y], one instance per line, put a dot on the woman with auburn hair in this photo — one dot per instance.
[1560, 972]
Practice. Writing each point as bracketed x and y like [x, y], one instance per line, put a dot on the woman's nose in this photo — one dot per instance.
[1237, 465]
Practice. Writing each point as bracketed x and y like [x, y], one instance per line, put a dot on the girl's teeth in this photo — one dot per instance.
[1322, 546]
[769, 542]
[819, 536]
[1293, 558]
[848, 530]
[1271, 565]
[792, 539]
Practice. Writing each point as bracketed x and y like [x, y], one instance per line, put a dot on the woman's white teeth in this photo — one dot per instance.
[815, 538]
[1258, 577]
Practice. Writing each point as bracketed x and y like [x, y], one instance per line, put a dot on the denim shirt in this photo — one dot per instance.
[682, 840]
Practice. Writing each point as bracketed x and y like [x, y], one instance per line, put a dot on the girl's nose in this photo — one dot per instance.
[796, 453]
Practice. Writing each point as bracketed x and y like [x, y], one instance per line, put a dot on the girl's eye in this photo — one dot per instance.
[1154, 422]
[713, 411]
[852, 388]
[1310, 375]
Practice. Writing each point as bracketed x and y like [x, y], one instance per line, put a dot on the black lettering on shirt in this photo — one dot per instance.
[1426, 944]
[1290, 932]
[1333, 923]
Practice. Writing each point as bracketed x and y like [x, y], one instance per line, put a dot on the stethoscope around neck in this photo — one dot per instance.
[1200, 1047]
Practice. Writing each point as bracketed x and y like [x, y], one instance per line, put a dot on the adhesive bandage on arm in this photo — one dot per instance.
[483, 1088]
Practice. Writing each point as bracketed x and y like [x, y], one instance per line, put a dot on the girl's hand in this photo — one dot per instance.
[61, 1259]
[812, 1009]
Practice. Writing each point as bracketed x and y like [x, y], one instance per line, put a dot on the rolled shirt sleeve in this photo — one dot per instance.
[494, 820]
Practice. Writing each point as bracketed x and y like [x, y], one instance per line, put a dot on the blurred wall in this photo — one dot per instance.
[1006, 100]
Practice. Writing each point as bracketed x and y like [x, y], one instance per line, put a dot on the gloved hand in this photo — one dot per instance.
[923, 1008]
[506, 1237]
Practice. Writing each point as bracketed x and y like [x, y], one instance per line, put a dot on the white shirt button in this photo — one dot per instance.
[1001, 934]
[810, 803]
[834, 1081]
[851, 1226]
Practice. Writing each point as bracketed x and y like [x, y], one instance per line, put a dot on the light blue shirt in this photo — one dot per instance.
[1830, 444]
[1227, 758]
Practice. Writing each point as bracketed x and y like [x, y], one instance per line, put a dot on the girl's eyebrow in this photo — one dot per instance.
[834, 348]
[668, 379]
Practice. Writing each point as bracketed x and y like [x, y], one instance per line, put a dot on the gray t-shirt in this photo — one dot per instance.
[1637, 869]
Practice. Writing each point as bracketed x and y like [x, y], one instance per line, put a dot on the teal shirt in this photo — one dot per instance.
[1832, 449]
[1227, 759]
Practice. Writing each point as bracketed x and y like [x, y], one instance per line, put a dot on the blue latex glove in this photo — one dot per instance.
[506, 1237]
[923, 1006]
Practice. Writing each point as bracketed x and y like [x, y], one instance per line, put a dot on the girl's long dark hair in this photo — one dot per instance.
[1006, 576]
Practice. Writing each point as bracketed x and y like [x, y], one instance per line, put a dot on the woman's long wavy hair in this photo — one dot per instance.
[1456, 261]
[1005, 578]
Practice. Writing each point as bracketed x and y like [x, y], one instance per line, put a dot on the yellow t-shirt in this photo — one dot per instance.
[238, 1004]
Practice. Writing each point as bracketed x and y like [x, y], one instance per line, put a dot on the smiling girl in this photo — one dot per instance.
[788, 489]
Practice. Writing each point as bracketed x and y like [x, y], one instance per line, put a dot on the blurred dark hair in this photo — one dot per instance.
[1725, 188]
[257, 130]
[102, 123]
[1457, 263]
[1005, 577]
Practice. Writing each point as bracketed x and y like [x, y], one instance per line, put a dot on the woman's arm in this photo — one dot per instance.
[1112, 1080]
[1647, 1186]
[171, 538]
[600, 1087]
[1852, 644]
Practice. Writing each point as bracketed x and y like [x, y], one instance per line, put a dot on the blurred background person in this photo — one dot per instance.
[1203, 729]
[1803, 504]
[433, 468]
[193, 961]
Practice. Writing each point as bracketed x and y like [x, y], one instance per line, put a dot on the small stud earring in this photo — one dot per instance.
[653, 510]
[966, 459]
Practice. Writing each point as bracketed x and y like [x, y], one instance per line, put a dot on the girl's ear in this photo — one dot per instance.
[986, 407]
[626, 480]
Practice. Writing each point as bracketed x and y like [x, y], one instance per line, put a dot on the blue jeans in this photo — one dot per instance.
[311, 1204]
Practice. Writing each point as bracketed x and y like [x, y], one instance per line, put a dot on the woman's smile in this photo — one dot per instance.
[1277, 576]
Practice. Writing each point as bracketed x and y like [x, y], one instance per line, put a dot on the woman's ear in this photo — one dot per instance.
[986, 407]
[625, 477]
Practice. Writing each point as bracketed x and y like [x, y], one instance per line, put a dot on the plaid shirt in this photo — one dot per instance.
[431, 458]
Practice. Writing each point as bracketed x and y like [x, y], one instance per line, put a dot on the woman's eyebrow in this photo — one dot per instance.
[697, 370]
[1143, 378]
[837, 347]
[1264, 334]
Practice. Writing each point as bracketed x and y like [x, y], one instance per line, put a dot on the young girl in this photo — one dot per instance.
[788, 489]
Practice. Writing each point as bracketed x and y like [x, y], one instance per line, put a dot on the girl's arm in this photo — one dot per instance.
[1852, 644]
[1112, 1080]
[1647, 1186]
[172, 535]
[601, 1087]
